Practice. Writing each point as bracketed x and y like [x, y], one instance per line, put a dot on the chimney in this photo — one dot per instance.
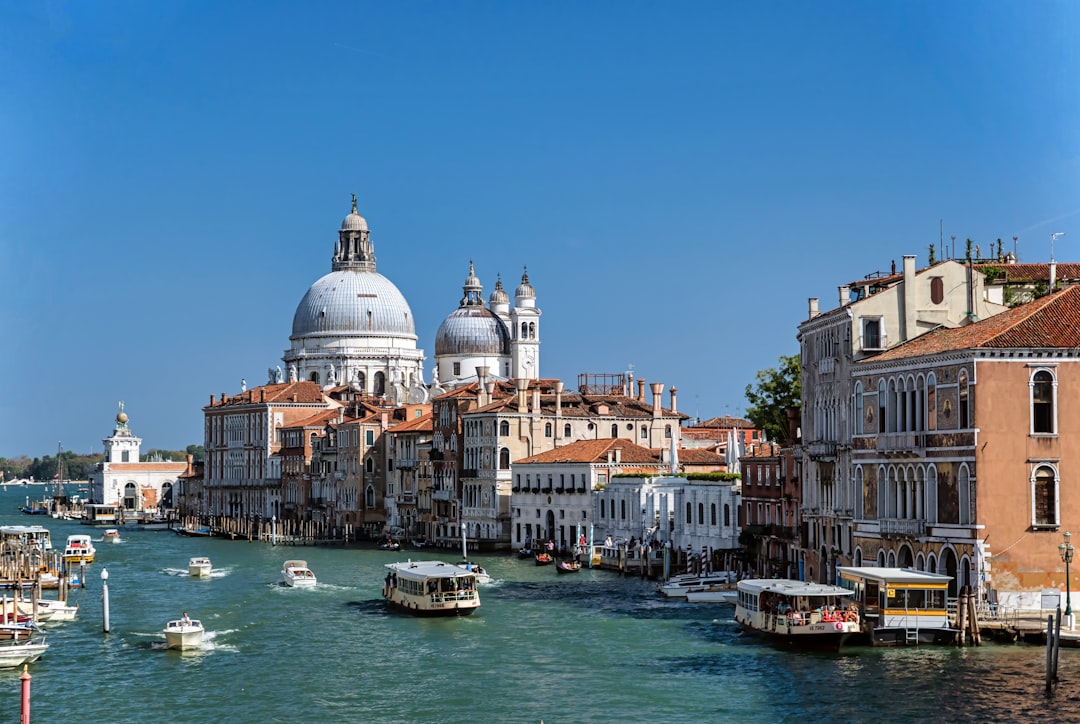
[536, 399]
[618, 455]
[211, 400]
[813, 304]
[845, 295]
[522, 385]
[657, 394]
[558, 401]
[674, 407]
[1053, 276]
[641, 389]
[910, 299]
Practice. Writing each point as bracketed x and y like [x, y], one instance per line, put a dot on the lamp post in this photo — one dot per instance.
[1066, 550]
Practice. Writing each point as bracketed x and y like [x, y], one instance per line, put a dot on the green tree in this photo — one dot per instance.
[777, 389]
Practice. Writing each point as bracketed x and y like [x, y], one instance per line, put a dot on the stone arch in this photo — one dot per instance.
[905, 558]
[920, 562]
[881, 557]
[892, 559]
[857, 559]
[949, 566]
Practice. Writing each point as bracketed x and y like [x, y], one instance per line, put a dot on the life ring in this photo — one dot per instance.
[839, 626]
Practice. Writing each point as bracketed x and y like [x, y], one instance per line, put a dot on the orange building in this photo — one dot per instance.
[964, 440]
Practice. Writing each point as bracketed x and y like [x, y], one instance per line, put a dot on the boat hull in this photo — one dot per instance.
[199, 571]
[183, 641]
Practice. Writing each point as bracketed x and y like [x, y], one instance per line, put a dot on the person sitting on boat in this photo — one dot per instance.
[185, 620]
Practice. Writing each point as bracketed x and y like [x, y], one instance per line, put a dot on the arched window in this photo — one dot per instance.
[931, 402]
[369, 465]
[313, 377]
[532, 330]
[727, 515]
[614, 430]
[524, 330]
[547, 430]
[712, 513]
[379, 387]
[566, 430]
[504, 459]
[667, 432]
[1043, 419]
[858, 409]
[882, 405]
[701, 513]
[369, 496]
[361, 381]
[622, 509]
[1044, 498]
[504, 428]
[689, 513]
[644, 432]
[962, 413]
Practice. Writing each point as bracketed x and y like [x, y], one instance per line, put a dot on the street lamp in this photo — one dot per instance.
[1066, 550]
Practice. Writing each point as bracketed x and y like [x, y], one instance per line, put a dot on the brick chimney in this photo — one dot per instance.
[657, 397]
[522, 385]
[641, 389]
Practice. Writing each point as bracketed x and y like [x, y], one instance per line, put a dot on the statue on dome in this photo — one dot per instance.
[331, 378]
[292, 372]
[277, 375]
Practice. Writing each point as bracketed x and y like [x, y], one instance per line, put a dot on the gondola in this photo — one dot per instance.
[525, 553]
[567, 567]
[544, 559]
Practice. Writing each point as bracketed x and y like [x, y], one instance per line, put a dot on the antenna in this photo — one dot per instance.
[1015, 257]
[1054, 236]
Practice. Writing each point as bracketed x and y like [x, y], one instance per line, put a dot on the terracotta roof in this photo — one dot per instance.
[303, 392]
[1052, 321]
[699, 456]
[594, 451]
[1035, 272]
[418, 424]
[317, 420]
[725, 422]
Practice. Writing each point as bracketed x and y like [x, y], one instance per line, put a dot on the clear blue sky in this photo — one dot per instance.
[678, 177]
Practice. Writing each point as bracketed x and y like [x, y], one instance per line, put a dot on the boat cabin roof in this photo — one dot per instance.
[892, 575]
[10, 530]
[786, 587]
[199, 559]
[429, 569]
[295, 564]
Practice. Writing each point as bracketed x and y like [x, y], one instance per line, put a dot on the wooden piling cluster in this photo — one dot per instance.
[281, 532]
[967, 619]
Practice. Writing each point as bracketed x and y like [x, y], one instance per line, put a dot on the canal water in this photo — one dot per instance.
[587, 647]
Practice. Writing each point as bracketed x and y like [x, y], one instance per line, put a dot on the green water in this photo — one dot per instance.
[587, 647]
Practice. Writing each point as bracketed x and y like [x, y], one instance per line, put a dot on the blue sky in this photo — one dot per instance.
[678, 177]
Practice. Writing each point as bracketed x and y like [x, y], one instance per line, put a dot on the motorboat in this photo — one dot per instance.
[431, 588]
[54, 611]
[716, 593]
[18, 651]
[183, 633]
[797, 613]
[482, 576]
[111, 535]
[678, 586]
[79, 549]
[297, 575]
[390, 545]
[199, 566]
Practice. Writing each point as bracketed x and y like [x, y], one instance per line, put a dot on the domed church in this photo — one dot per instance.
[505, 341]
[353, 327]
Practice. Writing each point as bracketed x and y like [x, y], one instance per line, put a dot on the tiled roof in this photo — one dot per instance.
[578, 406]
[303, 392]
[418, 424]
[1036, 272]
[594, 451]
[1052, 321]
[726, 422]
[698, 456]
[317, 420]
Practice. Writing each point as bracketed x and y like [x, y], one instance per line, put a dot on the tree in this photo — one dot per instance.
[777, 390]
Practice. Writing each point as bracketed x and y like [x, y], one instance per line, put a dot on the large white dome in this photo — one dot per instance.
[353, 303]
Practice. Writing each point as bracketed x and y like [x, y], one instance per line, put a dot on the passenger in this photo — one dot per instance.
[185, 620]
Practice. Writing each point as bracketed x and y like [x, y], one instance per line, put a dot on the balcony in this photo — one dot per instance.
[821, 450]
[902, 444]
[908, 527]
[406, 463]
[441, 495]
[408, 498]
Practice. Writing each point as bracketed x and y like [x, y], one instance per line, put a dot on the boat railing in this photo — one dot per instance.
[451, 596]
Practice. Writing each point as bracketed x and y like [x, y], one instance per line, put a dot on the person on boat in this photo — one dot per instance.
[185, 620]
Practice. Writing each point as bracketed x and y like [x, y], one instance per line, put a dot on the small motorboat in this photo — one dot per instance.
[18, 651]
[199, 567]
[111, 535]
[79, 549]
[390, 545]
[567, 567]
[183, 633]
[544, 559]
[482, 576]
[296, 574]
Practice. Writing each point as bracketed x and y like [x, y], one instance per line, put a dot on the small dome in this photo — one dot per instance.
[353, 303]
[354, 221]
[499, 296]
[122, 418]
[472, 331]
[525, 289]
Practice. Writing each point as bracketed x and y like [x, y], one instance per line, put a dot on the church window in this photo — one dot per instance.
[644, 432]
[547, 430]
[379, 387]
[361, 381]
[369, 320]
[614, 430]
[314, 377]
[504, 427]
[457, 369]
[504, 459]
[524, 330]
[566, 430]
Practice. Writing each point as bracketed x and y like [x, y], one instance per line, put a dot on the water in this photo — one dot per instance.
[587, 647]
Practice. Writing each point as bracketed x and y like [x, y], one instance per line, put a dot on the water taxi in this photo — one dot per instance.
[183, 633]
[296, 574]
[431, 588]
[797, 613]
[901, 606]
[111, 535]
[79, 549]
[199, 566]
[26, 536]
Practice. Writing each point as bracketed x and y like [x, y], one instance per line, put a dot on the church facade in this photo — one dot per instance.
[120, 479]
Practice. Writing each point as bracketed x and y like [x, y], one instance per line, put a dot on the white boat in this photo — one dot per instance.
[431, 588]
[55, 611]
[183, 633]
[901, 606]
[79, 549]
[469, 566]
[199, 566]
[297, 575]
[16, 652]
[718, 593]
[797, 613]
[26, 536]
[678, 586]
[111, 535]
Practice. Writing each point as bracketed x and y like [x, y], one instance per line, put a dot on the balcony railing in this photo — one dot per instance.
[821, 449]
[902, 443]
[406, 463]
[441, 495]
[902, 526]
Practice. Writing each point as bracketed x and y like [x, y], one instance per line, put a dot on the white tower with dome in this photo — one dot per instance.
[353, 327]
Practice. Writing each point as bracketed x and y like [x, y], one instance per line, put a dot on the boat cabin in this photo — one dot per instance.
[901, 605]
[101, 514]
[25, 536]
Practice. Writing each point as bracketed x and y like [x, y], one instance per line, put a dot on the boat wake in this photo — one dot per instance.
[184, 573]
[211, 641]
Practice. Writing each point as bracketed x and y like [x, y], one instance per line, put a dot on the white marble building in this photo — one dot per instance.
[122, 480]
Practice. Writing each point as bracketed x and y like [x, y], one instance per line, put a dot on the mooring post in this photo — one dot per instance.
[1057, 642]
[25, 679]
[1049, 651]
[105, 598]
